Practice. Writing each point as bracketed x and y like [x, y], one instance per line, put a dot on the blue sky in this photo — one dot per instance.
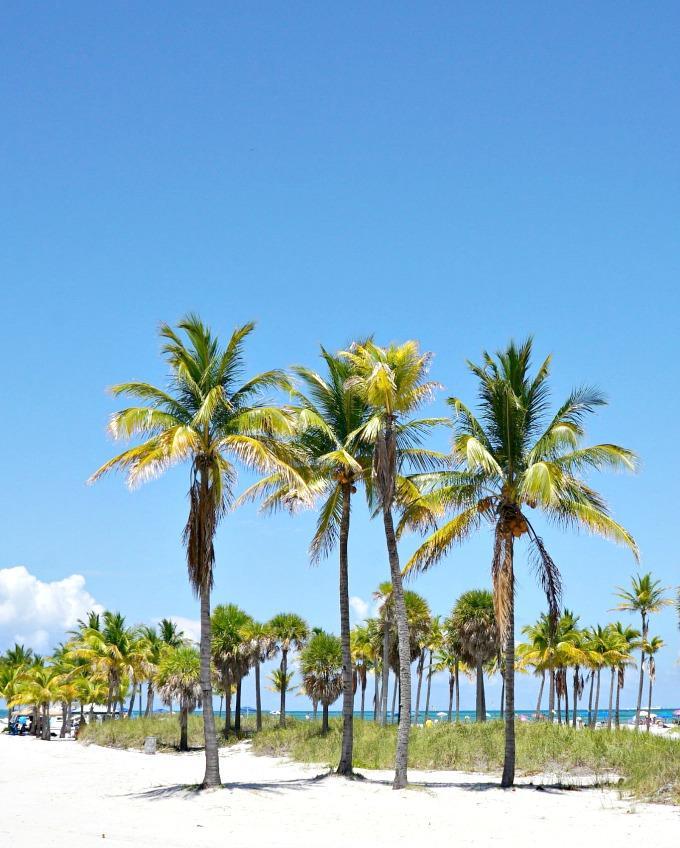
[457, 173]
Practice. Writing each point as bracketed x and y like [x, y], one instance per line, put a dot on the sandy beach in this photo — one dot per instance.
[66, 794]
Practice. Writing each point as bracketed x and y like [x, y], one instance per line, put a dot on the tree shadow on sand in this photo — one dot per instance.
[184, 790]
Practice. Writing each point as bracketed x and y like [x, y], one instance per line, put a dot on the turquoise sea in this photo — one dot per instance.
[466, 715]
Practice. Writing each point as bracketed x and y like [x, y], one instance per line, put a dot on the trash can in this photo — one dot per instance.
[150, 745]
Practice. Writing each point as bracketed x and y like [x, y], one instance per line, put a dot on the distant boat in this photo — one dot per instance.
[275, 712]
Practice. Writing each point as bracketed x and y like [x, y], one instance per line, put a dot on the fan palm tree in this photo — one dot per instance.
[179, 679]
[363, 658]
[321, 669]
[434, 641]
[291, 632]
[645, 597]
[231, 653]
[474, 622]
[392, 382]
[330, 412]
[652, 647]
[263, 647]
[510, 460]
[209, 419]
[281, 681]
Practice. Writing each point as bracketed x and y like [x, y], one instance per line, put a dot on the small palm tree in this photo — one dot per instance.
[508, 461]
[474, 622]
[179, 679]
[362, 658]
[321, 669]
[209, 419]
[232, 655]
[652, 647]
[281, 681]
[291, 632]
[645, 597]
[392, 382]
[628, 640]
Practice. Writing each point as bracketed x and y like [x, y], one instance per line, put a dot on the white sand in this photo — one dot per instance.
[64, 794]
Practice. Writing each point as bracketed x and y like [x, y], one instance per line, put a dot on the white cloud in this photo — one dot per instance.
[37, 614]
[359, 607]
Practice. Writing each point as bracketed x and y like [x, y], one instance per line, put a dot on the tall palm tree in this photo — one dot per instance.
[263, 647]
[474, 622]
[512, 459]
[291, 632]
[645, 597]
[652, 647]
[321, 663]
[209, 419]
[628, 640]
[392, 382]
[330, 412]
[179, 679]
[363, 658]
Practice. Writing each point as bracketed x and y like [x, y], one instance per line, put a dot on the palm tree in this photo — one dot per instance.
[433, 643]
[645, 597]
[363, 658]
[290, 631]
[179, 679]
[510, 460]
[392, 383]
[113, 651]
[330, 413]
[474, 622]
[321, 663]
[263, 647]
[652, 647]
[628, 641]
[281, 681]
[210, 420]
[448, 659]
[39, 685]
[232, 654]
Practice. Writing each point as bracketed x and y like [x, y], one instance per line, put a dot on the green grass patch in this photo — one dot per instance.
[130, 733]
[650, 765]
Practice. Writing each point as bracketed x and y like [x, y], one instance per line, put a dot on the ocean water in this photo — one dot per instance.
[466, 715]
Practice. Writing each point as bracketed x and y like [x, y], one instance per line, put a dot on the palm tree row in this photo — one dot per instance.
[352, 425]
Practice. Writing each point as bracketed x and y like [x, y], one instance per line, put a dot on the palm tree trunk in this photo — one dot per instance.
[576, 687]
[376, 692]
[62, 732]
[419, 672]
[502, 705]
[227, 707]
[559, 703]
[617, 719]
[132, 700]
[183, 729]
[597, 699]
[237, 710]
[479, 702]
[551, 695]
[429, 687]
[457, 675]
[452, 684]
[364, 681]
[324, 718]
[315, 708]
[540, 695]
[590, 698]
[400, 768]
[212, 763]
[345, 764]
[611, 700]
[566, 698]
[258, 698]
[642, 672]
[385, 672]
[649, 701]
[508, 777]
[284, 674]
[394, 697]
